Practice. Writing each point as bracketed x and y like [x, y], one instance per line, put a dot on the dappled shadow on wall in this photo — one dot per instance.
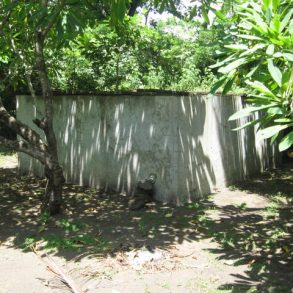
[111, 142]
[243, 153]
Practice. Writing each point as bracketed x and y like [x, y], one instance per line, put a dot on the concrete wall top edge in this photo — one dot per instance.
[136, 94]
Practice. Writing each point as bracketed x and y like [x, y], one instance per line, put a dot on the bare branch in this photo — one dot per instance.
[21, 129]
[41, 123]
[24, 147]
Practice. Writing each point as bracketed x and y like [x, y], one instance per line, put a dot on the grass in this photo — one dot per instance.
[4, 152]
[77, 242]
[242, 206]
[74, 237]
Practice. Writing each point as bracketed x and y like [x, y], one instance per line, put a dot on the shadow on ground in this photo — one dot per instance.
[97, 223]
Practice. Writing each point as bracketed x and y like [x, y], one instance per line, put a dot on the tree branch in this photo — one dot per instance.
[41, 123]
[24, 147]
[46, 30]
[27, 69]
[6, 17]
[21, 129]
[133, 7]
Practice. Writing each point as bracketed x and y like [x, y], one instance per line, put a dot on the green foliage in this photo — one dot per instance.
[85, 53]
[77, 242]
[72, 234]
[259, 53]
[135, 56]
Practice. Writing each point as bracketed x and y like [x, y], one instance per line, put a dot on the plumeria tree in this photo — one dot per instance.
[30, 30]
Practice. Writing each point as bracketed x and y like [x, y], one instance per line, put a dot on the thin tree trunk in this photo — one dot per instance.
[53, 171]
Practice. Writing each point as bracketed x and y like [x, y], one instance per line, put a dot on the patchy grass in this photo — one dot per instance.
[56, 242]
[4, 152]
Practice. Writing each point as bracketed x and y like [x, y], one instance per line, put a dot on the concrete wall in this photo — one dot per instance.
[113, 141]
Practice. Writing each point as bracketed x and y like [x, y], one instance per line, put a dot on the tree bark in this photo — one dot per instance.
[133, 7]
[53, 171]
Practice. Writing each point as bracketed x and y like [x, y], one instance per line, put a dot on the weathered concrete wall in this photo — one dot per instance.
[113, 141]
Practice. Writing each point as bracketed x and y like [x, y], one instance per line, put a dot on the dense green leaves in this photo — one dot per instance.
[260, 55]
[275, 72]
[286, 142]
[137, 56]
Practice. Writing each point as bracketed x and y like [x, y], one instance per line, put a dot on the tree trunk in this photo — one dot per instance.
[52, 201]
[53, 171]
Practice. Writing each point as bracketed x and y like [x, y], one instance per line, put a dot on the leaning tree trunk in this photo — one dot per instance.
[52, 201]
[53, 171]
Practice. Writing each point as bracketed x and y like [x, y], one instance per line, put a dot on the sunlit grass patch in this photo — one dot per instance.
[77, 242]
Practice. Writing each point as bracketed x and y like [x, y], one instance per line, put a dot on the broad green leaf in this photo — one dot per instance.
[278, 55]
[274, 137]
[286, 142]
[276, 23]
[252, 71]
[271, 131]
[246, 25]
[228, 85]
[276, 4]
[242, 113]
[283, 120]
[237, 47]
[218, 84]
[219, 64]
[275, 72]
[270, 49]
[266, 4]
[275, 111]
[275, 41]
[288, 56]
[205, 15]
[268, 14]
[261, 25]
[286, 20]
[253, 49]
[260, 99]
[256, 7]
[248, 111]
[261, 88]
[290, 27]
[232, 65]
[249, 37]
[219, 14]
[248, 124]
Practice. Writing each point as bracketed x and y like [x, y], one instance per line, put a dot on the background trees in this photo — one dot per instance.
[172, 54]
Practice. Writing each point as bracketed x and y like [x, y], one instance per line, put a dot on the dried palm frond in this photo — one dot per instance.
[58, 271]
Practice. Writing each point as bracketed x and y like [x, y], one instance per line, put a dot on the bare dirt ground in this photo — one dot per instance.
[237, 240]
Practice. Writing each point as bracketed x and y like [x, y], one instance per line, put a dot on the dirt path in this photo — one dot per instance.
[219, 245]
[8, 162]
